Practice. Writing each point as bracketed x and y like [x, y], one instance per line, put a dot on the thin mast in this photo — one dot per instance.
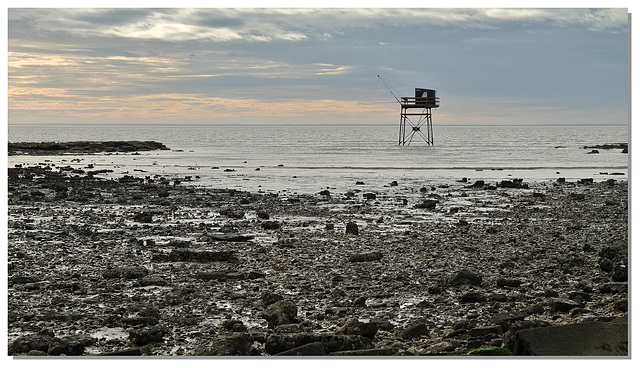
[385, 84]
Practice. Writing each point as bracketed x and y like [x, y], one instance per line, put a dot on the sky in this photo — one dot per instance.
[256, 65]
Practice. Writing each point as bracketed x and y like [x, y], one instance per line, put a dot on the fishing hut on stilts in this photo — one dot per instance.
[417, 108]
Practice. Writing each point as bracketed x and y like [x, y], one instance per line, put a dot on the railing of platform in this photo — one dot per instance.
[420, 101]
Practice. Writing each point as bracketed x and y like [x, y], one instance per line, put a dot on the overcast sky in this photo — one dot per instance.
[253, 66]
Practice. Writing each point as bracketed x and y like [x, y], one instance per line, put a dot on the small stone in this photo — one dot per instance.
[355, 327]
[270, 225]
[472, 298]
[147, 335]
[485, 330]
[563, 305]
[352, 228]
[504, 282]
[415, 331]
[465, 277]
[369, 196]
[366, 257]
[360, 301]
[281, 312]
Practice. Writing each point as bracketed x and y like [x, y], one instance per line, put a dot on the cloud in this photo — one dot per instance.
[267, 25]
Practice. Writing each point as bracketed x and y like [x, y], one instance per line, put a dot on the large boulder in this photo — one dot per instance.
[581, 339]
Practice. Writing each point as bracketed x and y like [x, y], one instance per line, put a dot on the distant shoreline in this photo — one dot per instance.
[81, 147]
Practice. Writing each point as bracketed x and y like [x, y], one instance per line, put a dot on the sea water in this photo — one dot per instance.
[309, 158]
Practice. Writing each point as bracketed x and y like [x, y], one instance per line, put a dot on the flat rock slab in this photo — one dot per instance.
[231, 237]
[581, 339]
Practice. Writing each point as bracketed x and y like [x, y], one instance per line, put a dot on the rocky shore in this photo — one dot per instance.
[153, 266]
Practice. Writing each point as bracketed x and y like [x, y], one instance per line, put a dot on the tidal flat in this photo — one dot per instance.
[156, 266]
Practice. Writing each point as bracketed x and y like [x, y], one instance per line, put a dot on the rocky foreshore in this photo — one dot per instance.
[149, 266]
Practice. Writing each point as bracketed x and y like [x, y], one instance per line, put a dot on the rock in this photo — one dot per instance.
[153, 281]
[365, 257]
[620, 273]
[563, 305]
[231, 237]
[352, 228]
[27, 343]
[360, 301]
[499, 297]
[445, 346]
[463, 324]
[280, 312]
[234, 325]
[415, 331]
[234, 344]
[472, 297]
[577, 196]
[485, 330]
[465, 277]
[125, 352]
[455, 333]
[188, 255]
[579, 296]
[19, 279]
[269, 298]
[504, 282]
[270, 225]
[367, 352]
[144, 217]
[506, 320]
[490, 351]
[515, 183]
[325, 193]
[221, 275]
[147, 335]
[355, 327]
[369, 196]
[310, 349]
[383, 324]
[614, 288]
[70, 345]
[263, 215]
[291, 328]
[581, 339]
[133, 272]
[427, 204]
[277, 343]
[232, 213]
[137, 321]
[478, 184]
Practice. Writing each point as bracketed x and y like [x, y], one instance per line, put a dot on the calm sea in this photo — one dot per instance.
[311, 158]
